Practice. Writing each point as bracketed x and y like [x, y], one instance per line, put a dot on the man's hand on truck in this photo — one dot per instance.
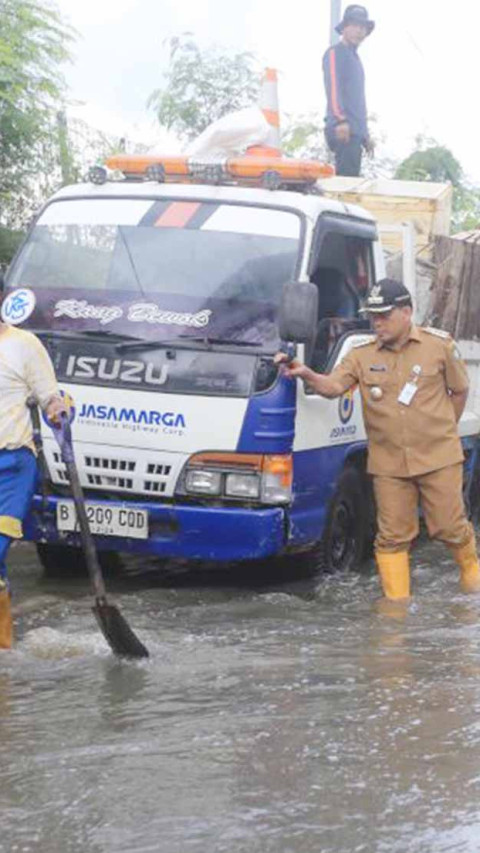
[321, 383]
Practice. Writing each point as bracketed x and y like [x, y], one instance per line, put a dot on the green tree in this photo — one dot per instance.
[33, 45]
[433, 162]
[466, 208]
[202, 86]
[430, 162]
[303, 136]
[9, 243]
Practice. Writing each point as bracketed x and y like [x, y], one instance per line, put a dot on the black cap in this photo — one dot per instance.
[385, 295]
[355, 15]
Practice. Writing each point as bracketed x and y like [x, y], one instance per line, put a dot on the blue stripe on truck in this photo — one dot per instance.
[269, 422]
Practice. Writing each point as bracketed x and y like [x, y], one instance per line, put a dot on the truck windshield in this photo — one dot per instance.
[176, 266]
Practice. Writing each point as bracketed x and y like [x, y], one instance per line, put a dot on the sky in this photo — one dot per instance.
[419, 63]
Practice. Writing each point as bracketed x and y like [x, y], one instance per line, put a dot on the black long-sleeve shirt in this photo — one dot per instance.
[345, 89]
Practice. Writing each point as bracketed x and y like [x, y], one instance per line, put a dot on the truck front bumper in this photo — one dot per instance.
[204, 533]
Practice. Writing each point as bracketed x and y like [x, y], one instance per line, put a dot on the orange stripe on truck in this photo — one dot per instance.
[178, 214]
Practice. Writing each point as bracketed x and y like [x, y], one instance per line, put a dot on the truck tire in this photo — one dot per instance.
[63, 561]
[471, 492]
[344, 542]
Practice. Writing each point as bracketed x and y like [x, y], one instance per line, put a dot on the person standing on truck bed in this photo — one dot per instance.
[25, 370]
[413, 387]
[346, 129]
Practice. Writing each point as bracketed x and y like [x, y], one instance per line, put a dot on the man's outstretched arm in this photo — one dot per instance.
[324, 384]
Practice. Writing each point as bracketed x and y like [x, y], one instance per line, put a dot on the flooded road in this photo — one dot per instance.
[294, 717]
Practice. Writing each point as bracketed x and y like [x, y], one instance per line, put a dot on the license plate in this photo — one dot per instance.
[105, 520]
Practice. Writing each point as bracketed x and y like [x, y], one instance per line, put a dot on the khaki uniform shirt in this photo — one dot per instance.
[408, 440]
[25, 369]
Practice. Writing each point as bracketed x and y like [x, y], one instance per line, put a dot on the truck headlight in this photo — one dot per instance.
[201, 482]
[265, 479]
[242, 486]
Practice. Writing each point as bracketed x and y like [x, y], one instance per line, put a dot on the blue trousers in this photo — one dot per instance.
[348, 155]
[18, 473]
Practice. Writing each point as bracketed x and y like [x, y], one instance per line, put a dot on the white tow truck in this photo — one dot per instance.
[162, 301]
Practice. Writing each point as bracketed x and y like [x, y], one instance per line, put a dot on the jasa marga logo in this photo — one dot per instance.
[345, 412]
[146, 420]
[345, 407]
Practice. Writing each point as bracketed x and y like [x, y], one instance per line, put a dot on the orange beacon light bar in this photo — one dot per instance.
[267, 171]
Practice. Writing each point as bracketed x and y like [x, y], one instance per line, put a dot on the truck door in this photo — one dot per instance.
[342, 268]
[327, 431]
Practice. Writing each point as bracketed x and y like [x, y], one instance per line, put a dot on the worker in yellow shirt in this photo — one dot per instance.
[25, 370]
[413, 387]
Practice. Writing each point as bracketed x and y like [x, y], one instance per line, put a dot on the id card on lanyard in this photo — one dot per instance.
[410, 388]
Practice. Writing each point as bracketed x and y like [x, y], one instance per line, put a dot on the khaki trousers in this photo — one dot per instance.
[439, 493]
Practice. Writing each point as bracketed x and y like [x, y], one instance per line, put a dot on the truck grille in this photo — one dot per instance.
[110, 464]
[96, 466]
[126, 471]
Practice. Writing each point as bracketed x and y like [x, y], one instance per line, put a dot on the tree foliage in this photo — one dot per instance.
[466, 208]
[431, 161]
[33, 45]
[202, 86]
[9, 243]
[303, 136]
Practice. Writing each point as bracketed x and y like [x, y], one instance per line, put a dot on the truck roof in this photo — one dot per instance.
[310, 205]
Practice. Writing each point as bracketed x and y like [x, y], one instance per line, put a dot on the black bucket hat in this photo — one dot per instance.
[385, 295]
[355, 15]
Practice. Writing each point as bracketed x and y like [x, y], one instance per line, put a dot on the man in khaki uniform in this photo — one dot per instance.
[414, 388]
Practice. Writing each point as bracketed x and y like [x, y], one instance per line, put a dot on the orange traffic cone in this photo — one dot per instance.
[268, 104]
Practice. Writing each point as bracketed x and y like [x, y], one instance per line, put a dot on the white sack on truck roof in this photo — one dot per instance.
[231, 135]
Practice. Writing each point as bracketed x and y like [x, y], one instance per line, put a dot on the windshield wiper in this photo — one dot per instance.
[108, 333]
[183, 342]
[78, 335]
[138, 344]
[208, 341]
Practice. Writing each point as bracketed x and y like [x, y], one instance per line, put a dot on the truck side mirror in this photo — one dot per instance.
[298, 317]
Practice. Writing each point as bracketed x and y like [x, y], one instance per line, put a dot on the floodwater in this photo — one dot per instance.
[271, 717]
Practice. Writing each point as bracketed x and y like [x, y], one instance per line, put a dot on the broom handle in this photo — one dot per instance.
[63, 434]
[38, 444]
[85, 534]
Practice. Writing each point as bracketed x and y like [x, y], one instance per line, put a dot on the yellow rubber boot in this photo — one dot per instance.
[394, 571]
[6, 628]
[467, 561]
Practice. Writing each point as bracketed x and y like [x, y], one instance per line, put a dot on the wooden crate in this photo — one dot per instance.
[428, 205]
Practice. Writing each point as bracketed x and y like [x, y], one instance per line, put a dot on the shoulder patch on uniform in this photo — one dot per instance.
[368, 339]
[438, 332]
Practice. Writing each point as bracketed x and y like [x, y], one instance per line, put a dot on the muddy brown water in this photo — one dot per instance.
[272, 717]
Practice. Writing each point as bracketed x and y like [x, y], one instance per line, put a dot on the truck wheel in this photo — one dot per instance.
[471, 493]
[63, 561]
[344, 540]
